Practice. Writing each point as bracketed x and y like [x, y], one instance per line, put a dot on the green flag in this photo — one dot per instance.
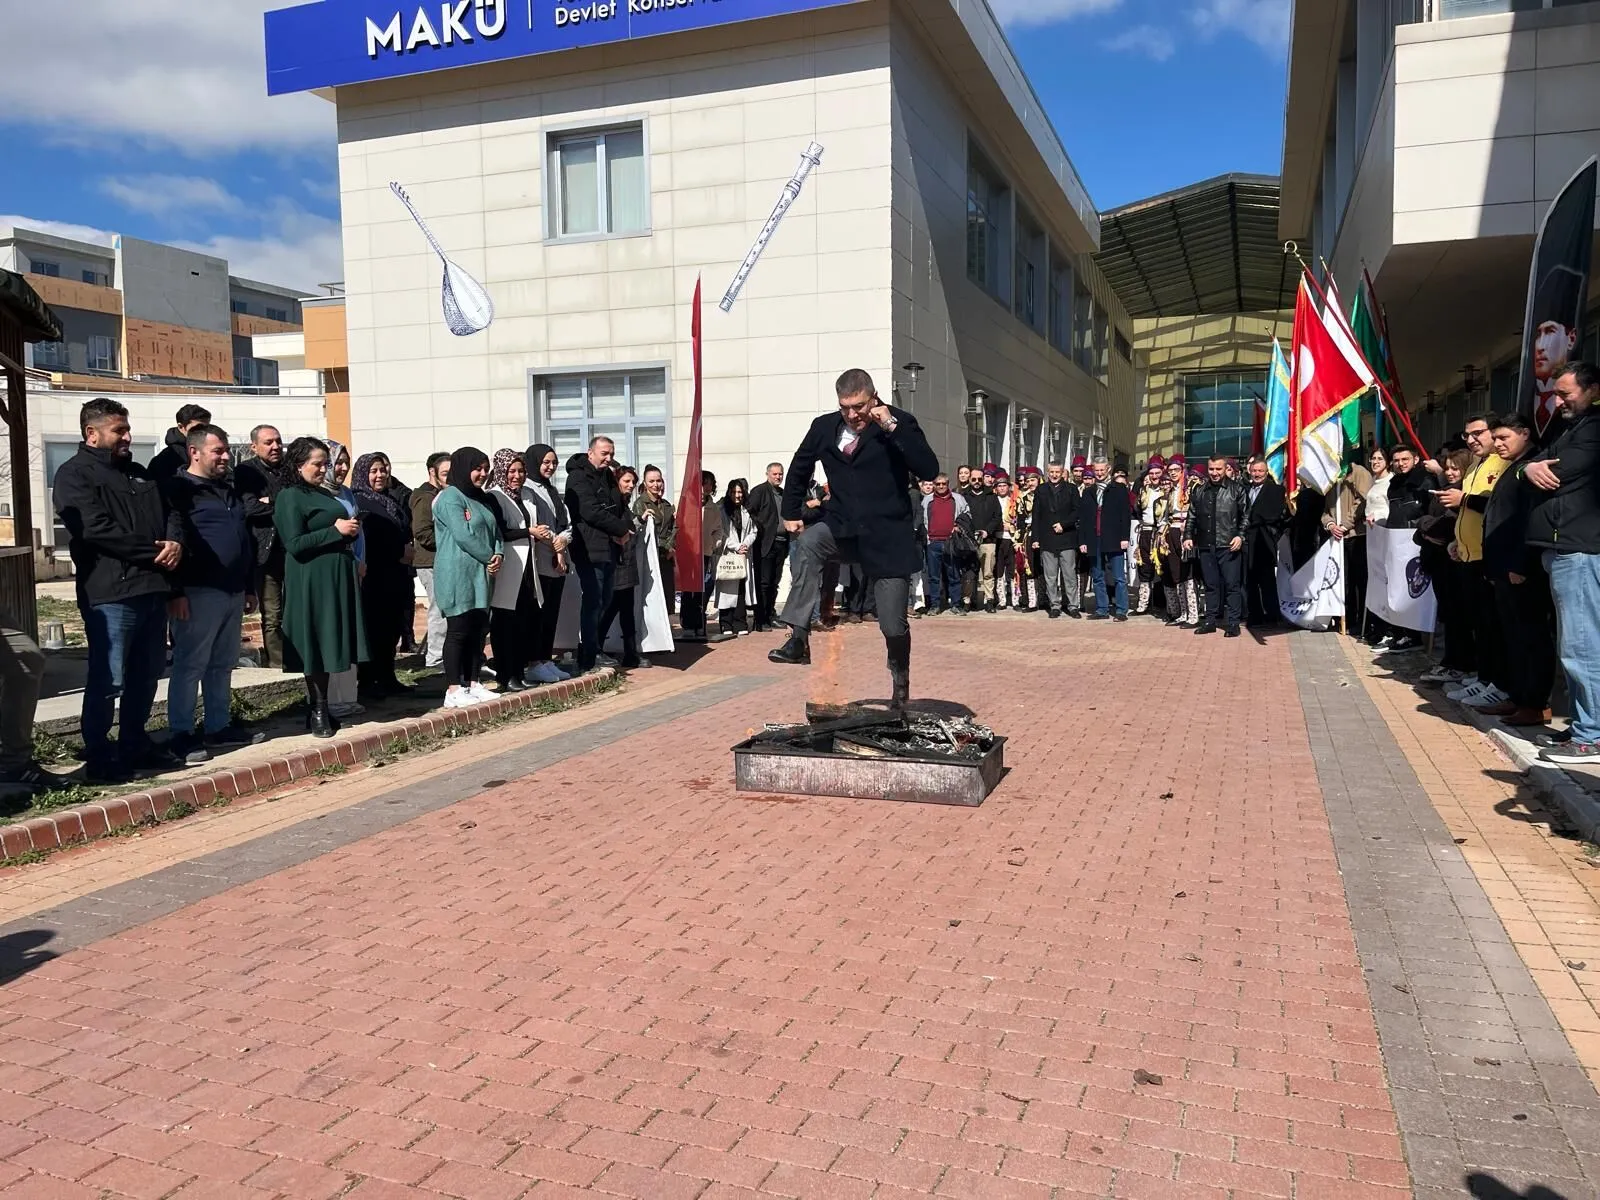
[1370, 342]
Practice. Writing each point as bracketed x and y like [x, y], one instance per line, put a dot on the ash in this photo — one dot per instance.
[866, 732]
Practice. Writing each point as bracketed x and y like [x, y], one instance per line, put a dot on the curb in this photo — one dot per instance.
[87, 822]
[1549, 780]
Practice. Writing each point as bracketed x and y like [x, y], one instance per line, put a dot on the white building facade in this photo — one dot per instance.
[588, 171]
[1424, 140]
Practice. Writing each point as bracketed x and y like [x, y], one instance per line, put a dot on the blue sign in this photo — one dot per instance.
[336, 42]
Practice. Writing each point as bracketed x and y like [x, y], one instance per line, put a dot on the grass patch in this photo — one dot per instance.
[26, 859]
[330, 770]
[69, 796]
[52, 749]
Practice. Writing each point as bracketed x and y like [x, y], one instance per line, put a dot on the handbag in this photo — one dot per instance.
[961, 547]
[731, 568]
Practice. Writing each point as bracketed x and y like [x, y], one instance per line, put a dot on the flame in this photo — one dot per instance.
[825, 675]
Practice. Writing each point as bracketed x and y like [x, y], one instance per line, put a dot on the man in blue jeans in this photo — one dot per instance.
[1105, 520]
[125, 544]
[942, 511]
[215, 582]
[1564, 522]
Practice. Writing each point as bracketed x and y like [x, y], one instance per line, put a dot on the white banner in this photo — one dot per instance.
[649, 601]
[1313, 596]
[1398, 589]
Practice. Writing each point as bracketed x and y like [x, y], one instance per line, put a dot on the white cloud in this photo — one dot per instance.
[1046, 12]
[170, 72]
[1152, 41]
[171, 195]
[60, 229]
[1265, 22]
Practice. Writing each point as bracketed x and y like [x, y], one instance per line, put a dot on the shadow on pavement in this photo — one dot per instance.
[1487, 1187]
[21, 953]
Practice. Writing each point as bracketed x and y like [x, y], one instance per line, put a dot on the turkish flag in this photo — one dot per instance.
[688, 554]
[1324, 379]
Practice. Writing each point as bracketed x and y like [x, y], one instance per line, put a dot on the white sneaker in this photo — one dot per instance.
[1469, 683]
[1474, 695]
[480, 694]
[457, 698]
[1490, 695]
[1443, 675]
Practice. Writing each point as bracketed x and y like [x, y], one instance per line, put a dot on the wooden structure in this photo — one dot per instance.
[24, 318]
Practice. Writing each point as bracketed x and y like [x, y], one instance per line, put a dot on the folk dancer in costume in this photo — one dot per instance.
[1149, 500]
[1019, 524]
[1177, 571]
[1005, 549]
[1196, 481]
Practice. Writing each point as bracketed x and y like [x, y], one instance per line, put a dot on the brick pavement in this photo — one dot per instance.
[613, 974]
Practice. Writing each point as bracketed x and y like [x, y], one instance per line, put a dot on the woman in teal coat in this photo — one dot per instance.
[467, 531]
[322, 626]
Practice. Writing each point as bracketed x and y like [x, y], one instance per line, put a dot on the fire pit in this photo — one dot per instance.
[873, 753]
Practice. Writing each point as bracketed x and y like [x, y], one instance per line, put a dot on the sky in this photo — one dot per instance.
[166, 131]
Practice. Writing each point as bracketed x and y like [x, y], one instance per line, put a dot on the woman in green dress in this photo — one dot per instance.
[466, 528]
[322, 625]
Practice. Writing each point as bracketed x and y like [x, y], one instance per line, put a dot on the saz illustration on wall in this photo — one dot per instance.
[467, 306]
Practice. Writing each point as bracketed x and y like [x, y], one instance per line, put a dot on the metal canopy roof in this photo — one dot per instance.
[1208, 249]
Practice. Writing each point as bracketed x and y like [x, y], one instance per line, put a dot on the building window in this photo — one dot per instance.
[1061, 284]
[1102, 341]
[1082, 327]
[244, 371]
[1219, 413]
[239, 306]
[278, 314]
[995, 414]
[630, 409]
[988, 226]
[1028, 288]
[598, 183]
[98, 278]
[40, 267]
[102, 352]
[56, 452]
[1124, 347]
[50, 355]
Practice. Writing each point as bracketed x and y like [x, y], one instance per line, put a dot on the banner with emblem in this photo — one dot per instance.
[1558, 292]
[1312, 595]
[1398, 589]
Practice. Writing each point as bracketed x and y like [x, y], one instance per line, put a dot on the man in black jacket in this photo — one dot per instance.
[600, 526]
[125, 544]
[870, 452]
[1105, 519]
[214, 584]
[1564, 522]
[1410, 488]
[765, 505]
[1054, 534]
[174, 457]
[260, 478]
[977, 585]
[1524, 616]
[1266, 518]
[1215, 533]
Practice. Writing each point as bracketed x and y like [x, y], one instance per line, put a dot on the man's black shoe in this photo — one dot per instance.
[1120, 617]
[1099, 616]
[190, 747]
[232, 737]
[107, 773]
[1231, 631]
[160, 758]
[795, 652]
[1206, 627]
[31, 775]
[1055, 614]
[1075, 613]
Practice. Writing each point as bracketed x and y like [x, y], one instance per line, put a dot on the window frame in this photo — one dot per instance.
[1031, 252]
[239, 307]
[278, 314]
[1063, 272]
[539, 425]
[45, 267]
[556, 135]
[999, 222]
[52, 362]
[110, 357]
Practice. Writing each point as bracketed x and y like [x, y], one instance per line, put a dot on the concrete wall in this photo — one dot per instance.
[726, 114]
[167, 286]
[964, 336]
[1173, 347]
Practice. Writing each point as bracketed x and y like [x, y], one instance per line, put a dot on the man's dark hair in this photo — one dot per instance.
[1221, 458]
[707, 477]
[1404, 446]
[98, 411]
[1585, 374]
[191, 413]
[196, 437]
[1491, 419]
[1515, 420]
[255, 434]
[437, 457]
[854, 382]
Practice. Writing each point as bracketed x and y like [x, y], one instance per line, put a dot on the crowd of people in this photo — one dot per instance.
[330, 551]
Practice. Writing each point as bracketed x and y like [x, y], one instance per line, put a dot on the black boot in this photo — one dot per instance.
[795, 652]
[899, 671]
[323, 724]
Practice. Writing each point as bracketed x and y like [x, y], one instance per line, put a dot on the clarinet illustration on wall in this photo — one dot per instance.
[467, 306]
[791, 191]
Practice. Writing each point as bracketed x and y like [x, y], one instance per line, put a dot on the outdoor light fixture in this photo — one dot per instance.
[913, 369]
[976, 399]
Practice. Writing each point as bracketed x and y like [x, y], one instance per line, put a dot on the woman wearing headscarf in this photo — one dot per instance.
[738, 534]
[552, 534]
[323, 632]
[386, 591]
[343, 686]
[514, 615]
[622, 607]
[467, 529]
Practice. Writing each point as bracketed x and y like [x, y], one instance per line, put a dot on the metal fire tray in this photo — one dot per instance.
[841, 757]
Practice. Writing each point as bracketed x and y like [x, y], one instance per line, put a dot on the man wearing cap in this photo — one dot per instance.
[1005, 547]
[1080, 466]
[1148, 503]
[1177, 568]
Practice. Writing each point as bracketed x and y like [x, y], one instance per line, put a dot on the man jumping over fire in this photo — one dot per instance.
[870, 453]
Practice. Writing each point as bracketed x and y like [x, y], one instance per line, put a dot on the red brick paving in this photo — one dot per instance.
[618, 976]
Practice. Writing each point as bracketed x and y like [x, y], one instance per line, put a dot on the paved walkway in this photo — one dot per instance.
[579, 962]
